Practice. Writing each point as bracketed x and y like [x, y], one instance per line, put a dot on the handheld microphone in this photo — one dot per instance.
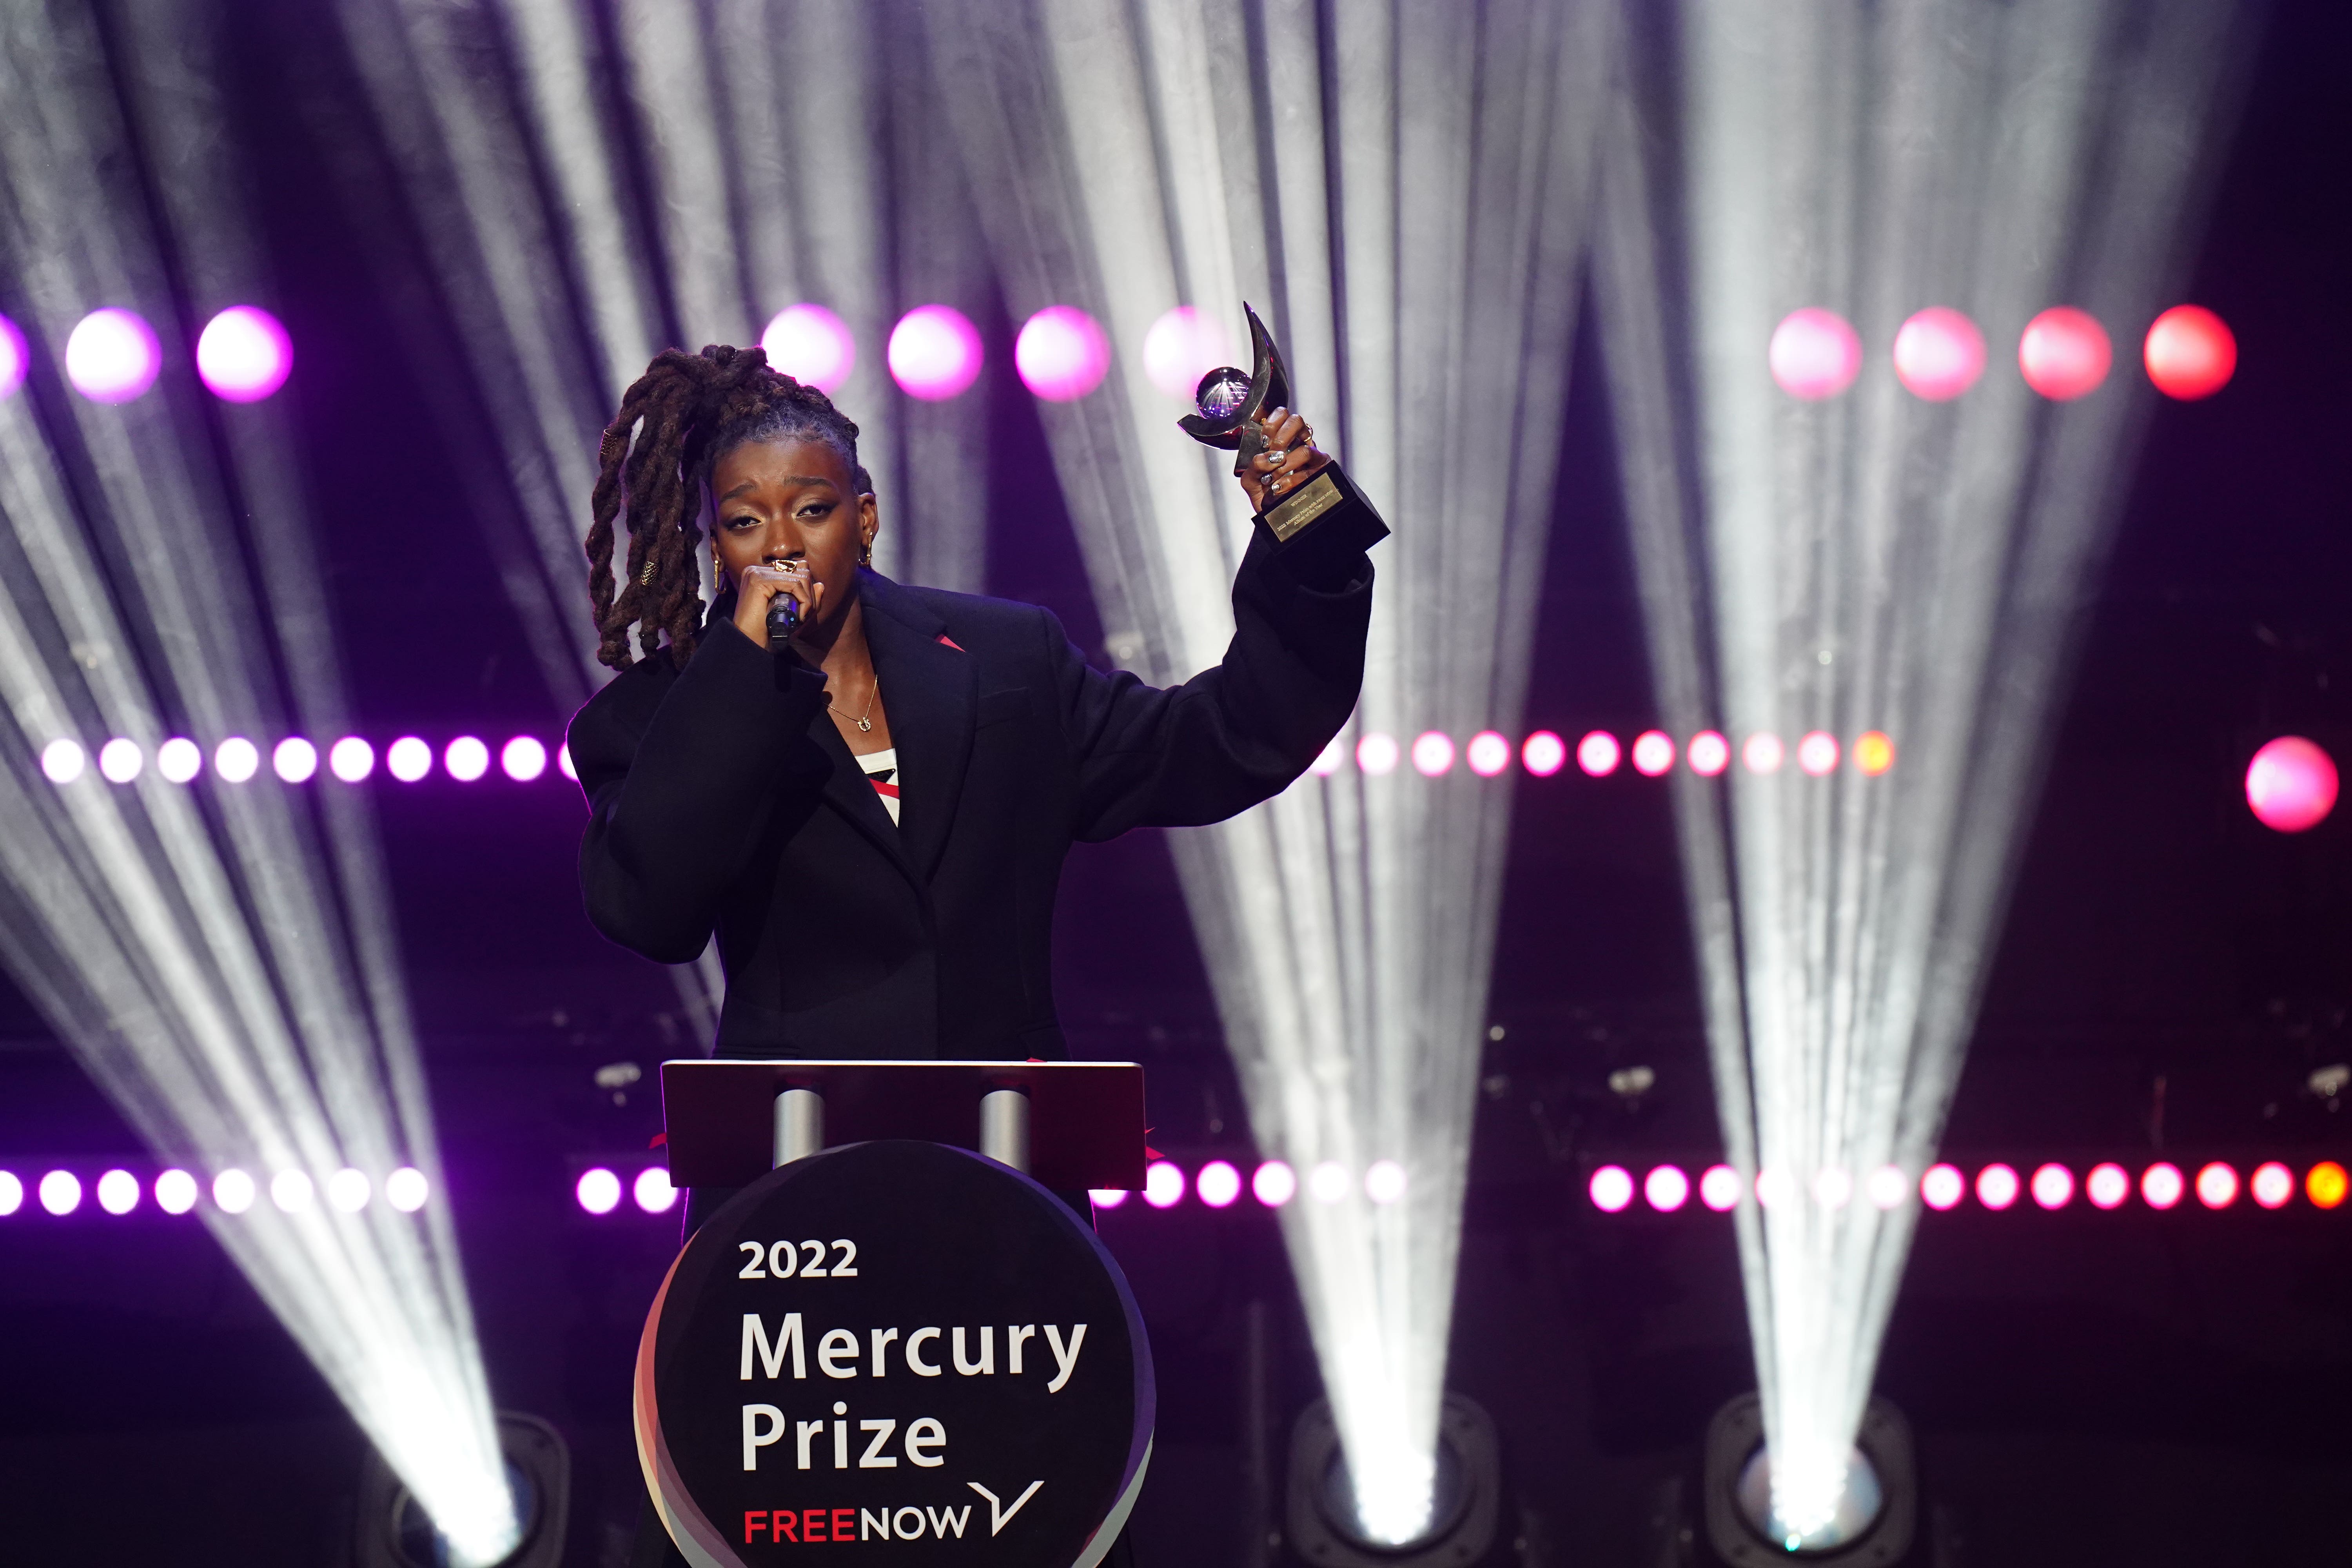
[783, 619]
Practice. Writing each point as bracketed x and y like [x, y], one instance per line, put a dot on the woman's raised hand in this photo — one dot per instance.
[758, 587]
[1289, 459]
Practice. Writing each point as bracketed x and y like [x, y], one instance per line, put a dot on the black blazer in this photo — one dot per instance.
[722, 799]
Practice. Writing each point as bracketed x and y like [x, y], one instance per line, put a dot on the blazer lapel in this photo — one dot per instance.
[931, 693]
[849, 792]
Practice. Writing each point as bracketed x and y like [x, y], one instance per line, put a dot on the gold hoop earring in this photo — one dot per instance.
[717, 569]
[865, 553]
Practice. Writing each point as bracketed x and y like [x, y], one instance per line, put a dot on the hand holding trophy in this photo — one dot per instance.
[1305, 500]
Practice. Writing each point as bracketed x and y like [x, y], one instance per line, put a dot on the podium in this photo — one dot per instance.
[897, 1330]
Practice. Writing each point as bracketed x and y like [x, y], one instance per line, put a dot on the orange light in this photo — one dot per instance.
[1874, 753]
[2326, 1185]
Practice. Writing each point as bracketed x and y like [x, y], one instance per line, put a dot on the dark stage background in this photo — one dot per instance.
[2136, 1388]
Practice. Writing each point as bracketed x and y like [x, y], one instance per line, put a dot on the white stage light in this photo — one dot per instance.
[179, 760]
[12, 1193]
[349, 1190]
[63, 760]
[60, 1192]
[1274, 1184]
[465, 759]
[119, 761]
[295, 760]
[351, 759]
[292, 1191]
[408, 759]
[175, 1192]
[236, 759]
[406, 1189]
[118, 1191]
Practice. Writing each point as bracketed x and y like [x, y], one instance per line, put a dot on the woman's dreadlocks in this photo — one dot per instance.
[695, 409]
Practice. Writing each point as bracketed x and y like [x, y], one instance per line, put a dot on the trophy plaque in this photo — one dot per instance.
[1327, 509]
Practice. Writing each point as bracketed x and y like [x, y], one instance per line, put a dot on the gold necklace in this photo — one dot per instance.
[864, 720]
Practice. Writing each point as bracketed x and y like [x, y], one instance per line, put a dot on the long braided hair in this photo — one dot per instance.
[695, 409]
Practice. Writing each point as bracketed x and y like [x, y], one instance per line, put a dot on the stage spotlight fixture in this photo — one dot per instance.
[1888, 1186]
[465, 759]
[2291, 785]
[523, 758]
[2272, 1184]
[351, 759]
[598, 1190]
[236, 759]
[119, 760]
[1997, 1186]
[2053, 1186]
[1720, 1187]
[1433, 753]
[1218, 1183]
[1874, 753]
[1598, 754]
[1666, 1188]
[244, 354]
[563, 761]
[934, 352]
[812, 345]
[2065, 354]
[1060, 353]
[2217, 1185]
[1817, 753]
[1274, 1184]
[1938, 354]
[1163, 1185]
[1612, 1188]
[179, 760]
[408, 759]
[1654, 752]
[1763, 753]
[1377, 754]
[394, 1530]
[1327, 1515]
[12, 1193]
[15, 359]
[1709, 754]
[1943, 1187]
[2107, 1186]
[1328, 1182]
[1487, 753]
[1543, 753]
[653, 1191]
[1384, 1181]
[406, 1189]
[1106, 1198]
[1865, 1517]
[349, 1190]
[1832, 1188]
[1330, 758]
[295, 760]
[63, 760]
[1814, 353]
[1775, 1187]
[2191, 353]
[2325, 1185]
[60, 1192]
[1181, 346]
[292, 1191]
[176, 1192]
[111, 356]
[2161, 1186]
[118, 1191]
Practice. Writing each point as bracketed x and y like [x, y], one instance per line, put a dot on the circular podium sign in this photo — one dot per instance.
[894, 1346]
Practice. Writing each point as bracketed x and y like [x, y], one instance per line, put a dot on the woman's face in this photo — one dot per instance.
[776, 501]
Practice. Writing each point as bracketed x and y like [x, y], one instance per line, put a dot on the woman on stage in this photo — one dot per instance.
[872, 819]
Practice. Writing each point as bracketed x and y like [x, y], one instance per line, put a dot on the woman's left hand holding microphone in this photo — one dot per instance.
[758, 587]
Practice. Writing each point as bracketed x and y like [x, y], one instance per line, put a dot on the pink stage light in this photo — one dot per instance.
[1183, 345]
[2291, 785]
[179, 760]
[563, 761]
[2272, 1184]
[1817, 753]
[12, 1194]
[1654, 752]
[2053, 1187]
[408, 759]
[1487, 753]
[2107, 1185]
[294, 758]
[1997, 1186]
[1709, 754]
[1832, 1188]
[523, 758]
[2161, 1184]
[1814, 353]
[60, 1192]
[119, 761]
[1163, 1186]
[2217, 1185]
[1433, 753]
[1384, 1181]
[1218, 1183]
[15, 359]
[112, 356]
[653, 1191]
[1274, 1183]
[1666, 1188]
[2191, 353]
[1888, 1186]
[351, 759]
[598, 1190]
[118, 1191]
[244, 354]
[1720, 1187]
[1943, 1187]
[935, 353]
[1061, 354]
[465, 759]
[812, 345]
[1612, 1188]
[1106, 1198]
[1938, 354]
[1376, 754]
[1543, 753]
[1763, 753]
[2064, 352]
[1598, 754]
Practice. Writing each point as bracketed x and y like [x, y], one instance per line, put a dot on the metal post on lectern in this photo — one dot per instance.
[799, 1125]
[1004, 1127]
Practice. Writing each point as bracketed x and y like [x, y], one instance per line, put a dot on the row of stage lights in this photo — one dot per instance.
[1997, 1186]
[1218, 1184]
[525, 758]
[176, 1192]
[2064, 354]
